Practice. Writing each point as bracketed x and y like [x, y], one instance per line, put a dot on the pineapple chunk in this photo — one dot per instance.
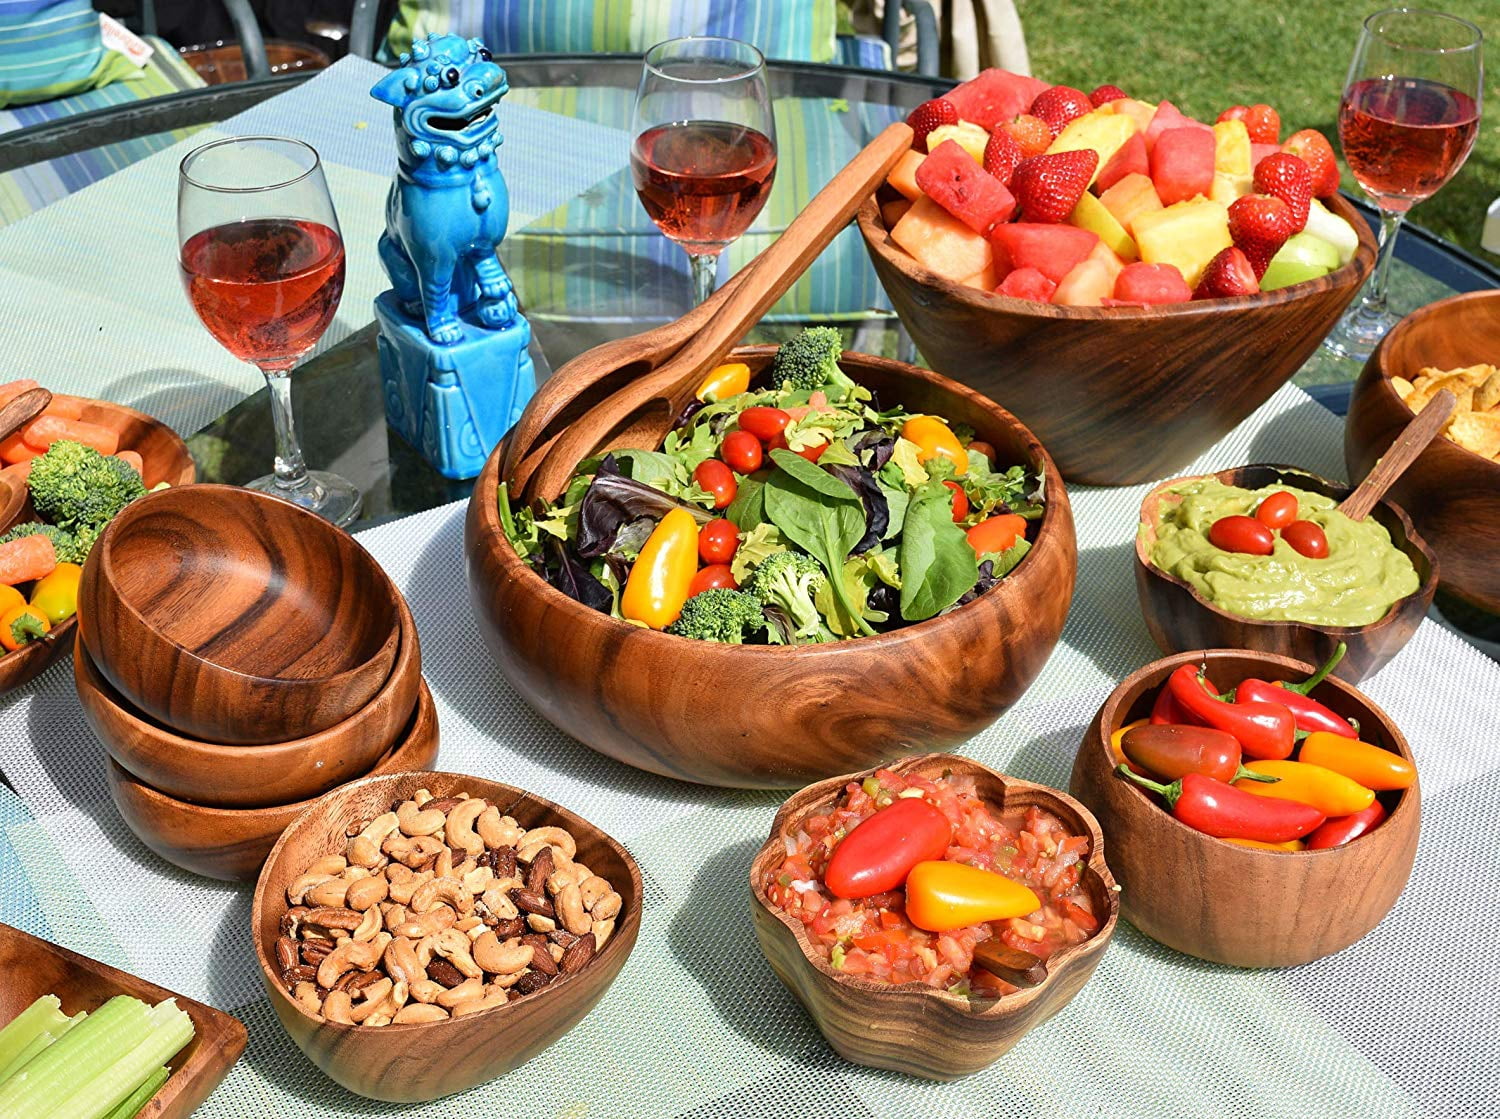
[968, 135]
[1186, 234]
[1099, 131]
[1228, 187]
[1232, 147]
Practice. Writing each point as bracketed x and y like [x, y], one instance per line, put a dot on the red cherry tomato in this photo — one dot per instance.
[814, 453]
[712, 577]
[995, 534]
[718, 480]
[1278, 510]
[1242, 534]
[983, 448]
[718, 540]
[878, 854]
[960, 501]
[742, 452]
[777, 442]
[764, 423]
[1307, 538]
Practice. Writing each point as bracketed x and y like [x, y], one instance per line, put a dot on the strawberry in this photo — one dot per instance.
[1264, 124]
[1031, 133]
[1289, 178]
[1047, 187]
[1317, 152]
[1228, 274]
[1105, 94]
[1002, 155]
[929, 115]
[1234, 112]
[1259, 225]
[1060, 104]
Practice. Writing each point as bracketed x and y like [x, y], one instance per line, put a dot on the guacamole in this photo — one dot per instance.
[1363, 574]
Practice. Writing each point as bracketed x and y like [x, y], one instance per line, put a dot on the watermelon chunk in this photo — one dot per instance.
[1169, 116]
[1053, 250]
[995, 96]
[951, 178]
[1259, 152]
[1027, 283]
[1182, 164]
[1131, 159]
[1151, 284]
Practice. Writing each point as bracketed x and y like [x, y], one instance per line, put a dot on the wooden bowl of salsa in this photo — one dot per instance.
[886, 994]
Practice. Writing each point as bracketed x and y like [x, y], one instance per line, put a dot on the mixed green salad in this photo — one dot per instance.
[790, 511]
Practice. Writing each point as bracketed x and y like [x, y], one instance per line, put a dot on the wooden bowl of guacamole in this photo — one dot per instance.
[1370, 592]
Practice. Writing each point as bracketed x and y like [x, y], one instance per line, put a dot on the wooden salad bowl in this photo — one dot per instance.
[420, 1061]
[219, 776]
[1451, 493]
[164, 457]
[911, 1027]
[1120, 395]
[232, 843]
[34, 967]
[1239, 905]
[1181, 619]
[233, 616]
[780, 716]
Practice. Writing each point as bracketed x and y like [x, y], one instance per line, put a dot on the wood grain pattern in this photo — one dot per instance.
[1412, 441]
[233, 616]
[1181, 619]
[415, 1062]
[1451, 494]
[913, 1028]
[21, 409]
[637, 695]
[1231, 904]
[232, 843]
[33, 967]
[1119, 395]
[253, 776]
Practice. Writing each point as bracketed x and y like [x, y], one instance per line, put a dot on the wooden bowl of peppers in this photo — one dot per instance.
[1260, 812]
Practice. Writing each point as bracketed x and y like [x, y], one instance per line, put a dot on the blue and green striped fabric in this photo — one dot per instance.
[52, 48]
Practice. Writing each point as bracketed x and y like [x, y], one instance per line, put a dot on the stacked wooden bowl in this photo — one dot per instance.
[240, 657]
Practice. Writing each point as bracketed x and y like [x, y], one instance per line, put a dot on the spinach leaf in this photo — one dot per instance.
[897, 498]
[937, 563]
[748, 508]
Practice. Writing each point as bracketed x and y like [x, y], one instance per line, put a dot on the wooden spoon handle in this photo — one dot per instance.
[1018, 968]
[1412, 441]
[21, 409]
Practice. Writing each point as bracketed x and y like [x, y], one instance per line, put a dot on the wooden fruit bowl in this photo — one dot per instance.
[911, 1027]
[1452, 494]
[1240, 905]
[164, 457]
[1119, 395]
[34, 967]
[415, 1062]
[1181, 619]
[780, 716]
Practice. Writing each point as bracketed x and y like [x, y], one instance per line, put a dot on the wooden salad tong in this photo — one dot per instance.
[1412, 441]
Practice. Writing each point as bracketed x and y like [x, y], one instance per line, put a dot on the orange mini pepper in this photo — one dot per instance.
[724, 381]
[663, 573]
[1331, 793]
[21, 624]
[1289, 845]
[941, 896]
[1371, 766]
[1117, 751]
[934, 438]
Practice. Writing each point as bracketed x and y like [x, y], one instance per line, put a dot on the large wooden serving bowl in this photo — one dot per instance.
[233, 616]
[780, 716]
[1181, 619]
[164, 458]
[415, 1062]
[911, 1027]
[232, 843]
[1452, 494]
[1119, 395]
[1240, 905]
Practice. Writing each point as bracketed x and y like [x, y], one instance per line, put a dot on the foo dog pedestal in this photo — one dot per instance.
[453, 403]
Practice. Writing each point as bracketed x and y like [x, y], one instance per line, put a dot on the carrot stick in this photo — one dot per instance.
[45, 430]
[28, 558]
[133, 460]
[12, 389]
[16, 449]
[67, 409]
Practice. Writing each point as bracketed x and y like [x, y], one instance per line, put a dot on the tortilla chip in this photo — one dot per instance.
[1455, 383]
[1403, 387]
[1478, 432]
[1487, 395]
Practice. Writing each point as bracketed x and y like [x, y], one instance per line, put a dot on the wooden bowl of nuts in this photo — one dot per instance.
[421, 933]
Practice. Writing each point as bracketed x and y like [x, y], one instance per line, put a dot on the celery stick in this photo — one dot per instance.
[141, 1095]
[38, 1043]
[48, 1079]
[169, 1030]
[40, 1016]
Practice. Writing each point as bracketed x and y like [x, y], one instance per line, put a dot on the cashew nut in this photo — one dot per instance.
[534, 840]
[569, 906]
[496, 899]
[474, 1006]
[368, 927]
[401, 891]
[442, 866]
[470, 925]
[296, 893]
[421, 797]
[602, 931]
[337, 1007]
[419, 1012]
[306, 995]
[476, 880]
[459, 830]
[366, 893]
[362, 852]
[328, 864]
[395, 917]
[593, 889]
[429, 821]
[569, 874]
[375, 996]
[468, 989]
[431, 894]
[329, 892]
[413, 852]
[453, 946]
[348, 956]
[497, 830]
[537, 923]
[401, 961]
[501, 959]
[428, 924]
[606, 907]
[427, 990]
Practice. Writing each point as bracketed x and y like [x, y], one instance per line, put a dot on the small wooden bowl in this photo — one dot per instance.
[1240, 905]
[794, 713]
[232, 843]
[220, 776]
[1452, 494]
[914, 1028]
[416, 1062]
[1119, 395]
[164, 458]
[235, 617]
[34, 967]
[1180, 618]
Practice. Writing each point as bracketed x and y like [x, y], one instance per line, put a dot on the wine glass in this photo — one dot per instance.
[262, 263]
[1409, 116]
[704, 151]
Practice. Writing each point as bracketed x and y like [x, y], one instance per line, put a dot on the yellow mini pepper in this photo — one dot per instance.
[56, 594]
[1289, 845]
[663, 572]
[1116, 747]
[933, 438]
[941, 896]
[724, 381]
[1330, 793]
[1371, 766]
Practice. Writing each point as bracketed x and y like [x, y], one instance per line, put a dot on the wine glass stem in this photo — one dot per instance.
[291, 468]
[705, 275]
[1373, 303]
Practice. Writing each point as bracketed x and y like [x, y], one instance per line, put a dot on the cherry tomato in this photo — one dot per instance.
[712, 577]
[777, 442]
[1278, 510]
[1307, 538]
[960, 501]
[718, 540]
[718, 480]
[764, 423]
[995, 534]
[987, 450]
[878, 854]
[1241, 534]
[813, 453]
[742, 452]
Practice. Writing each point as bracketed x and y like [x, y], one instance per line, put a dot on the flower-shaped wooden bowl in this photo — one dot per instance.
[1240, 905]
[911, 1027]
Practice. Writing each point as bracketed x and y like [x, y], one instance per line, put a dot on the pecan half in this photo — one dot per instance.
[313, 951]
[301, 973]
[286, 953]
[333, 917]
[290, 919]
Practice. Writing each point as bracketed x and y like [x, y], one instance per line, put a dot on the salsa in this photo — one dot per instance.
[872, 937]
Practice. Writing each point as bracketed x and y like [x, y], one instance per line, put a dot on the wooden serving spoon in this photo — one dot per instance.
[1018, 968]
[15, 414]
[641, 412]
[1412, 441]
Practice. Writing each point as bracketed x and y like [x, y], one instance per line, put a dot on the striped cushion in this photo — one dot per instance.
[864, 51]
[52, 48]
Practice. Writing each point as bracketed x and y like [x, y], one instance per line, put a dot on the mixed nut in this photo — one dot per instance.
[439, 908]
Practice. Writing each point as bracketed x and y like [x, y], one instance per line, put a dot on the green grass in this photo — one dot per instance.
[1205, 55]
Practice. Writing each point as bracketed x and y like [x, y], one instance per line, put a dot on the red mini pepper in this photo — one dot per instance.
[1169, 752]
[1310, 715]
[880, 851]
[1166, 711]
[1341, 829]
[1225, 812]
[1265, 730]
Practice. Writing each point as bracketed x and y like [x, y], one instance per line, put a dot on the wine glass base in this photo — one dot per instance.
[331, 497]
[1359, 332]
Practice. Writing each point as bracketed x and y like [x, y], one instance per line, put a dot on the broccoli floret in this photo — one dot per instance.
[811, 361]
[720, 615]
[790, 580]
[65, 544]
[76, 487]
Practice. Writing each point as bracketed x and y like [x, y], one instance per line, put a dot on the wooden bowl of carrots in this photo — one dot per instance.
[148, 445]
[1240, 874]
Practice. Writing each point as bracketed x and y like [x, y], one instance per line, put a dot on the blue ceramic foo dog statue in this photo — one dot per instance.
[453, 346]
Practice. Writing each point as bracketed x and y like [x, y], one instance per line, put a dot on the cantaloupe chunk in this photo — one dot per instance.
[893, 211]
[1098, 131]
[1186, 234]
[1129, 198]
[1091, 214]
[938, 240]
[985, 280]
[903, 176]
[1112, 263]
[1138, 111]
[1086, 285]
